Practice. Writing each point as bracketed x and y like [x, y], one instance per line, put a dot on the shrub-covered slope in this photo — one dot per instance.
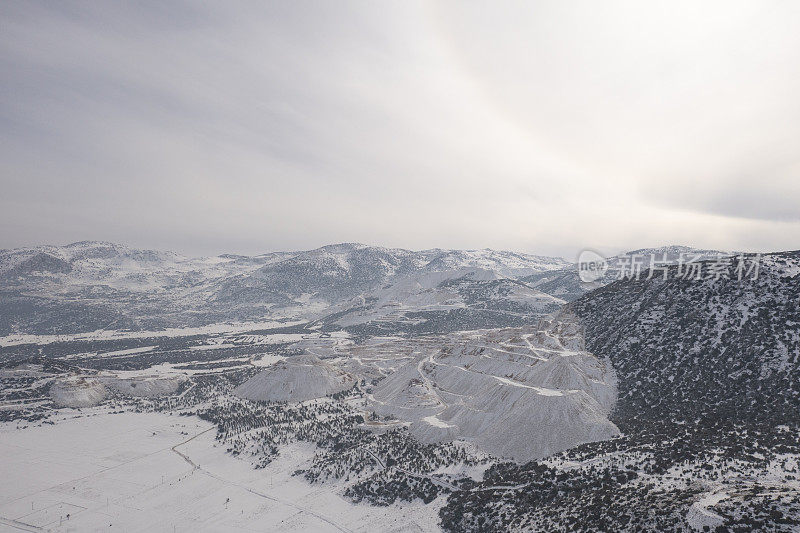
[709, 401]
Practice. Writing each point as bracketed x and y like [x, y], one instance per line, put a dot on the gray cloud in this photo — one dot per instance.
[538, 126]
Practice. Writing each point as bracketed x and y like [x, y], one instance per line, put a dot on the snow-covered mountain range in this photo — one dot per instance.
[93, 285]
[88, 286]
[496, 388]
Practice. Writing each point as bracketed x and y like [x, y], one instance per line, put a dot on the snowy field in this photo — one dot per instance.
[157, 472]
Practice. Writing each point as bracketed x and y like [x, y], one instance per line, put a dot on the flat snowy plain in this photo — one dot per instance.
[157, 472]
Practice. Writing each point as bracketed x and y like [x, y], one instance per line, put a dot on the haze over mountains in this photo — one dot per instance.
[89, 286]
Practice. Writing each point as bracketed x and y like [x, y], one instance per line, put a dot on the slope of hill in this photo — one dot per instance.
[709, 404]
[720, 349]
[77, 392]
[521, 393]
[299, 378]
[442, 301]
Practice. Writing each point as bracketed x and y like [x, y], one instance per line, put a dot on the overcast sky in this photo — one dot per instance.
[534, 126]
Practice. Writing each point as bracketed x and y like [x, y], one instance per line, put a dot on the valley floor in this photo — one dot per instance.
[93, 470]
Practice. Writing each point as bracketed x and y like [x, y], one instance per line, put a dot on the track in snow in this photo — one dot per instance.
[293, 505]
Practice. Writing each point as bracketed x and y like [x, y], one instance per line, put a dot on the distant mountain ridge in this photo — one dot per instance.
[90, 285]
[93, 285]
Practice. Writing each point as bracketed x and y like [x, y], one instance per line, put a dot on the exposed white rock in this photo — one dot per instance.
[518, 393]
[296, 379]
[146, 386]
[78, 391]
[701, 517]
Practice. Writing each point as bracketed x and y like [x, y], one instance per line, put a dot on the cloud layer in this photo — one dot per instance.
[543, 127]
